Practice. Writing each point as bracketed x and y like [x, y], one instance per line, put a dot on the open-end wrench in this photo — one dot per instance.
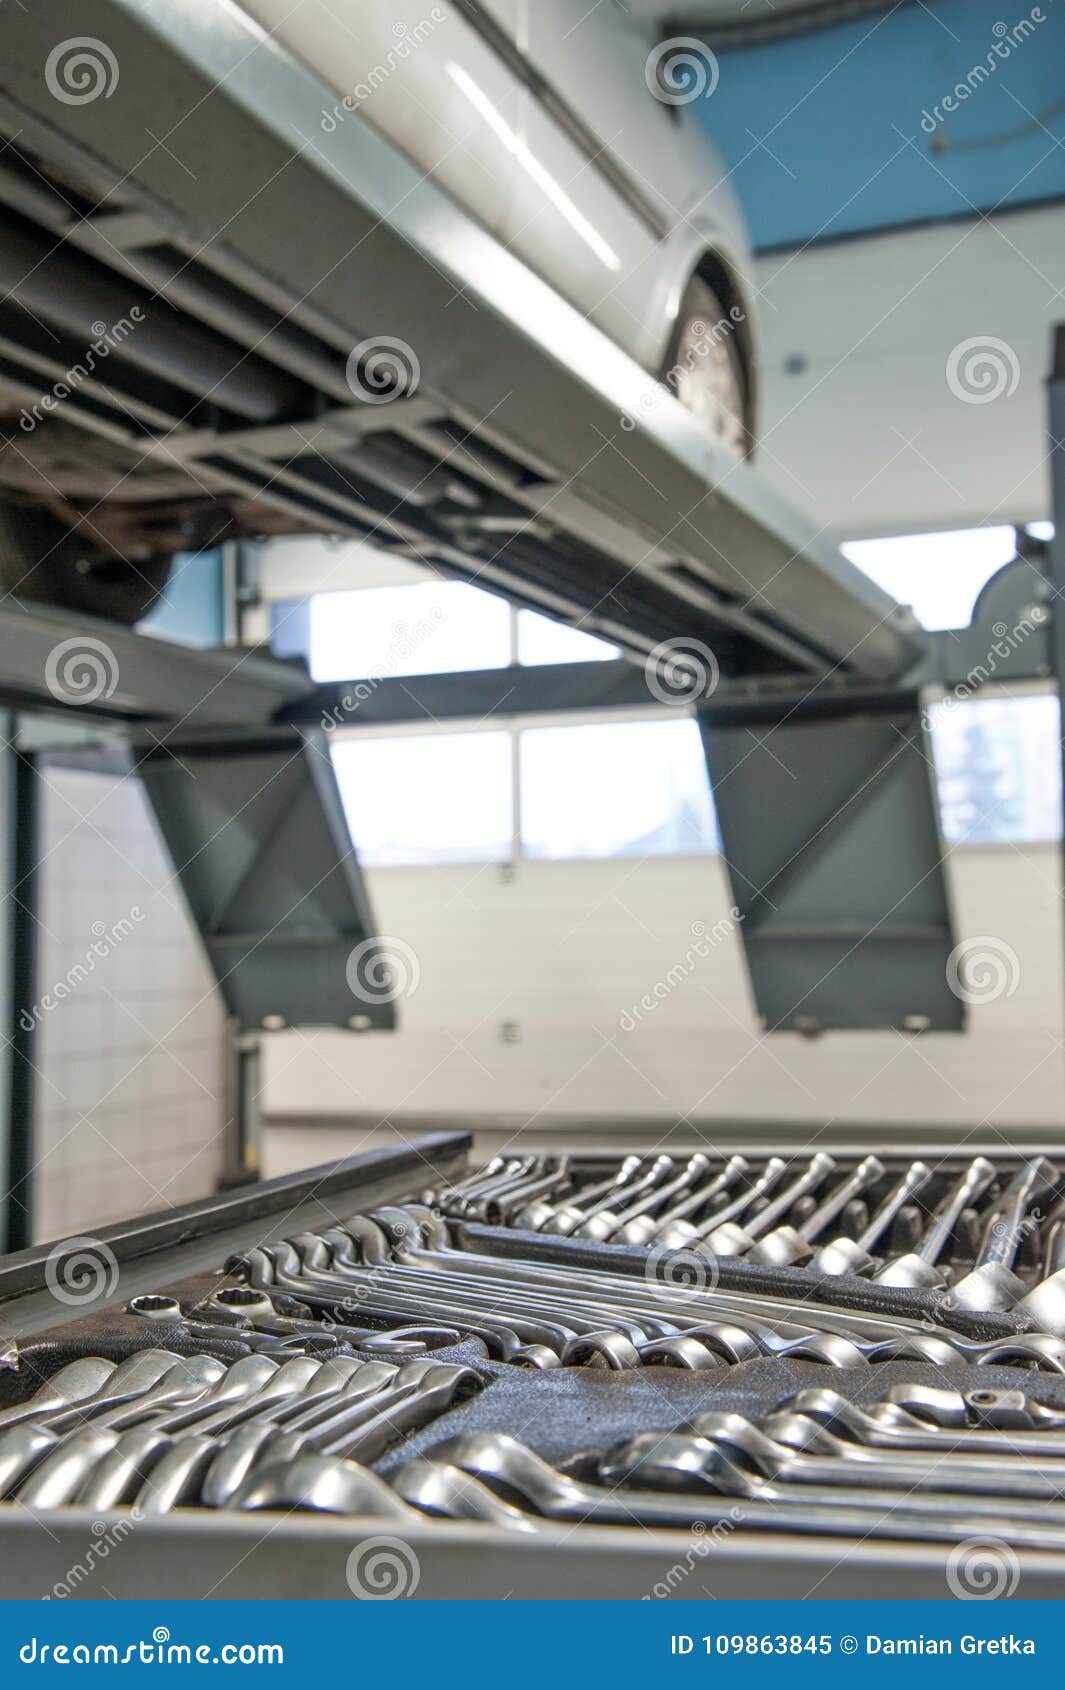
[888, 1426]
[209, 1465]
[919, 1269]
[991, 1284]
[187, 1379]
[788, 1244]
[893, 1332]
[522, 1476]
[974, 1473]
[60, 1474]
[195, 1468]
[79, 1382]
[124, 1468]
[853, 1255]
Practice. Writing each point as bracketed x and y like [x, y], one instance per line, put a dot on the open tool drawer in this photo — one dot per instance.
[595, 1393]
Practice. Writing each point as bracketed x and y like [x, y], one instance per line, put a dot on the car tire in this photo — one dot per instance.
[705, 369]
[43, 561]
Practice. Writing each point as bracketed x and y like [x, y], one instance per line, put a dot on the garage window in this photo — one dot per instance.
[939, 575]
[542, 640]
[998, 767]
[618, 789]
[425, 628]
[427, 798]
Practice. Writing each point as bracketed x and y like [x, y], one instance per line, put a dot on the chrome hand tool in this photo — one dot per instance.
[919, 1269]
[853, 1255]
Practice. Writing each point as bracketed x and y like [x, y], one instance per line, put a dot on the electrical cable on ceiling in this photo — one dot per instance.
[746, 32]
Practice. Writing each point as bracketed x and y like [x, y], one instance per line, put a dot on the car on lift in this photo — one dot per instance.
[557, 129]
[576, 143]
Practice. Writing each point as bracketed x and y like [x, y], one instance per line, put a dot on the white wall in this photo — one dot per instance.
[567, 948]
[869, 437]
[130, 1077]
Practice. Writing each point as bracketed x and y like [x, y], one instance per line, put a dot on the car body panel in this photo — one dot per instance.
[536, 116]
[389, 67]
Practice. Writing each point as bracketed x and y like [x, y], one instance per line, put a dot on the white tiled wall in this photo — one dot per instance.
[130, 1060]
[554, 960]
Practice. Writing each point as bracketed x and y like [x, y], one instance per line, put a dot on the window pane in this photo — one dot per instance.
[430, 798]
[426, 628]
[625, 789]
[998, 769]
[542, 640]
[940, 575]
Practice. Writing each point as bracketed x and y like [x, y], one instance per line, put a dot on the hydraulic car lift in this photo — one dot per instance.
[532, 456]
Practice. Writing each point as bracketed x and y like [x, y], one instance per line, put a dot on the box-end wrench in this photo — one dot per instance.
[786, 1245]
[854, 1255]
[991, 1284]
[919, 1270]
[728, 1239]
[682, 1235]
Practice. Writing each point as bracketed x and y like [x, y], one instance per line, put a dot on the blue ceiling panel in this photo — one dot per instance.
[928, 110]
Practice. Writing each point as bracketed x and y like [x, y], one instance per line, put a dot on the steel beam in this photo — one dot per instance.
[56, 661]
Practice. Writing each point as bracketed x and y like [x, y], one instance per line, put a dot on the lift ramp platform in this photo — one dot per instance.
[530, 456]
